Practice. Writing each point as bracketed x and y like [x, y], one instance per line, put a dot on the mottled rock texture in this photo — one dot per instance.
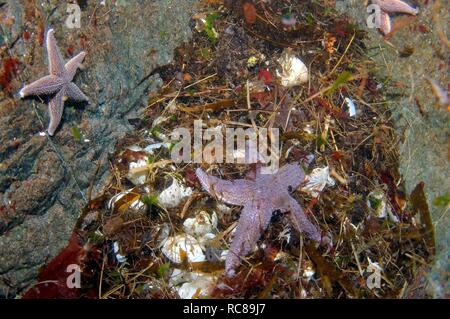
[44, 181]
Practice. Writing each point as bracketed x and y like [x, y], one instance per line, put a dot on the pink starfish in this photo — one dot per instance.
[58, 84]
[260, 197]
[392, 6]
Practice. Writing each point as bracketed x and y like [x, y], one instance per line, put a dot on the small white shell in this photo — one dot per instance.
[201, 224]
[199, 287]
[223, 254]
[137, 178]
[351, 106]
[375, 265]
[293, 71]
[317, 180]
[191, 284]
[152, 147]
[377, 201]
[120, 258]
[138, 204]
[184, 243]
[308, 271]
[173, 195]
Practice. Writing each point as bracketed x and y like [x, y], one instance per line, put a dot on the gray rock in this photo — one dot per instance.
[44, 181]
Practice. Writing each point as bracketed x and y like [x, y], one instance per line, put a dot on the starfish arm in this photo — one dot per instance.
[300, 221]
[290, 175]
[73, 92]
[47, 85]
[235, 192]
[252, 223]
[56, 61]
[385, 23]
[73, 64]
[396, 6]
[55, 110]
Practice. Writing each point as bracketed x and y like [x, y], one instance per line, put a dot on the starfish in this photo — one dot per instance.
[392, 6]
[260, 197]
[58, 84]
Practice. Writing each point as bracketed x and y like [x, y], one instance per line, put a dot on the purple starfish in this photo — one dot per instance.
[58, 83]
[260, 198]
[392, 6]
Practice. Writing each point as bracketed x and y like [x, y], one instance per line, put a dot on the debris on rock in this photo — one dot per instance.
[116, 249]
[351, 107]
[317, 180]
[183, 247]
[126, 199]
[174, 195]
[200, 225]
[191, 285]
[293, 71]
[379, 205]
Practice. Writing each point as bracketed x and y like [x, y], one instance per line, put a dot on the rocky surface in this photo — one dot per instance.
[44, 181]
[420, 123]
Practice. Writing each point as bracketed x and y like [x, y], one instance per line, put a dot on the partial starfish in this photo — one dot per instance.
[58, 83]
[392, 6]
[260, 197]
